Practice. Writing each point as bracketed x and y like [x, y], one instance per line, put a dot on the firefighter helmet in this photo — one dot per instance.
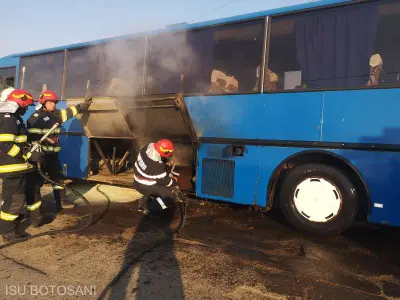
[47, 96]
[164, 147]
[21, 97]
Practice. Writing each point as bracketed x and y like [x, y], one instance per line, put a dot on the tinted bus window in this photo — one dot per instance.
[114, 69]
[387, 43]
[43, 69]
[346, 47]
[7, 78]
[215, 60]
[168, 58]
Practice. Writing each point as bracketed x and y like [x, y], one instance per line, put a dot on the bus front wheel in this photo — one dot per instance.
[318, 199]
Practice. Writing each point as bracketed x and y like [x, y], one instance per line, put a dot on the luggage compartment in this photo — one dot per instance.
[117, 127]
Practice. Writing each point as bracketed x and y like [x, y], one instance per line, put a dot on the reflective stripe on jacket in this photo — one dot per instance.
[13, 138]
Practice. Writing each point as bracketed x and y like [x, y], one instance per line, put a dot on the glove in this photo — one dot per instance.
[38, 148]
[174, 182]
[88, 100]
[86, 103]
[179, 195]
[33, 156]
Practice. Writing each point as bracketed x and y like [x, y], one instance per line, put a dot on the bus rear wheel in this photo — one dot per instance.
[318, 199]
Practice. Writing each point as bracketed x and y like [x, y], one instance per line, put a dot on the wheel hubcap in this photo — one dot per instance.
[317, 200]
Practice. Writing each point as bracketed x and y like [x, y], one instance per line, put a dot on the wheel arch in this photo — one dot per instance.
[324, 157]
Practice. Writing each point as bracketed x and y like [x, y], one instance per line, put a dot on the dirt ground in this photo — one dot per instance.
[223, 252]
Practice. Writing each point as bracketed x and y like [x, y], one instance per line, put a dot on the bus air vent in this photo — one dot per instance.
[218, 177]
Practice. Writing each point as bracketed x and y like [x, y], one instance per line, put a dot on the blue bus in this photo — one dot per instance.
[292, 108]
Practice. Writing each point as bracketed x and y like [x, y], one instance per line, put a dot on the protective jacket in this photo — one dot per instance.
[150, 170]
[13, 139]
[42, 121]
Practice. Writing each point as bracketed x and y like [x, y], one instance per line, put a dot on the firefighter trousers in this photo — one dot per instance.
[13, 202]
[51, 167]
[155, 191]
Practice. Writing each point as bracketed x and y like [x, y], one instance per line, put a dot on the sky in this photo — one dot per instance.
[28, 25]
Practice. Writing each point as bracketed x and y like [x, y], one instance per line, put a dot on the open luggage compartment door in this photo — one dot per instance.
[118, 127]
[111, 143]
[157, 117]
[152, 118]
[104, 119]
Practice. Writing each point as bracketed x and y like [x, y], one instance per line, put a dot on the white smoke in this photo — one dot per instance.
[121, 64]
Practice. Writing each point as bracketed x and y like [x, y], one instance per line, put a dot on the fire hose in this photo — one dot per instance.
[53, 232]
[182, 204]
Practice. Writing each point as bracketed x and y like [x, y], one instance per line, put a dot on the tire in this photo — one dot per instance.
[318, 199]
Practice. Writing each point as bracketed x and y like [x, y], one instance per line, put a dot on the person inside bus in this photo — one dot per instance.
[376, 67]
[222, 83]
[271, 80]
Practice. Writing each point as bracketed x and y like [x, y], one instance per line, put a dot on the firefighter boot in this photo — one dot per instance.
[37, 217]
[142, 205]
[66, 204]
[14, 237]
[61, 200]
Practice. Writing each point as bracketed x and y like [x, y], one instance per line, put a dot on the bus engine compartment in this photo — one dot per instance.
[118, 127]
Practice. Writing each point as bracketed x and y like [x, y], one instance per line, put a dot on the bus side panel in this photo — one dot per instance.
[367, 116]
[381, 172]
[260, 116]
[230, 179]
[75, 147]
[290, 116]
[363, 116]
[74, 155]
[269, 158]
[225, 116]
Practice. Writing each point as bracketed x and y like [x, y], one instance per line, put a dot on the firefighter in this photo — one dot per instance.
[151, 178]
[14, 166]
[39, 123]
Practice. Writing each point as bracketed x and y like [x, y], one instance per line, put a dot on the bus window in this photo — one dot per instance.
[114, 69]
[7, 78]
[217, 60]
[43, 69]
[236, 53]
[168, 58]
[387, 44]
[345, 47]
[82, 65]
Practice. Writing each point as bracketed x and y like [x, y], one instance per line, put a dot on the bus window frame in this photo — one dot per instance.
[259, 91]
[13, 69]
[308, 90]
[41, 54]
[67, 52]
[103, 44]
[263, 63]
